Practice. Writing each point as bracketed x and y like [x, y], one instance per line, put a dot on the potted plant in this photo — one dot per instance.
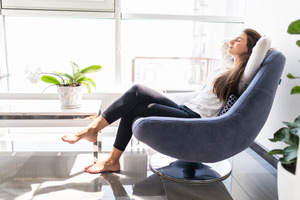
[286, 168]
[69, 86]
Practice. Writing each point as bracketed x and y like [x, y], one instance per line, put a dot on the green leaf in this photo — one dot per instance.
[297, 120]
[71, 78]
[294, 27]
[289, 75]
[78, 76]
[298, 43]
[295, 129]
[75, 68]
[67, 82]
[283, 161]
[294, 140]
[290, 153]
[88, 81]
[87, 86]
[287, 123]
[281, 135]
[275, 151]
[50, 79]
[91, 69]
[66, 75]
[295, 90]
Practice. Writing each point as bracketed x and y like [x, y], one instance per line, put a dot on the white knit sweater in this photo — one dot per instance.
[206, 103]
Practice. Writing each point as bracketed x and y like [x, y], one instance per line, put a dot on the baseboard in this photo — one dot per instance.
[262, 151]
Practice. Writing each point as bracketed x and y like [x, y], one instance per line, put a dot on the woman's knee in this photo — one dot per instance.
[137, 88]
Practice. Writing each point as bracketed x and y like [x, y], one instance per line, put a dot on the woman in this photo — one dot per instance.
[140, 101]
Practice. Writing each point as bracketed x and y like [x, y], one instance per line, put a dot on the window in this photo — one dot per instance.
[185, 7]
[171, 38]
[51, 43]
[78, 5]
[50, 33]
[176, 28]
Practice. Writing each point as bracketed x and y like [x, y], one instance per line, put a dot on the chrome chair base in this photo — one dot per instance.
[189, 172]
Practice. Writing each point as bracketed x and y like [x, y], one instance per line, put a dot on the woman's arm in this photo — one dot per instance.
[257, 56]
[227, 60]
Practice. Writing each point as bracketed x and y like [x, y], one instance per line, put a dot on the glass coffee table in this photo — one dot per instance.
[48, 113]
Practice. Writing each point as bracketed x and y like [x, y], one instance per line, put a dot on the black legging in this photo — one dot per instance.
[141, 101]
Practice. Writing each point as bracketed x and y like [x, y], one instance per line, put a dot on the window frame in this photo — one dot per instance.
[117, 15]
[71, 5]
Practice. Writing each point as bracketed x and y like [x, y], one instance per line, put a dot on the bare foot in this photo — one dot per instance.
[103, 166]
[89, 134]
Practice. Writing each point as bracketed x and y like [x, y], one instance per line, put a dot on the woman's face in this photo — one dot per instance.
[238, 46]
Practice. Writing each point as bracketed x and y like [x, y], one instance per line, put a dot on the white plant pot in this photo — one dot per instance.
[285, 183]
[70, 97]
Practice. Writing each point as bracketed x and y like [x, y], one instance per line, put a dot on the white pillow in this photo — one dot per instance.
[256, 58]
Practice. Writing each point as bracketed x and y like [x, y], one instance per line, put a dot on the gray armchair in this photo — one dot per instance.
[212, 140]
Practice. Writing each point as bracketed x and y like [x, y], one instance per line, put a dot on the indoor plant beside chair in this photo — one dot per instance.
[286, 168]
[69, 86]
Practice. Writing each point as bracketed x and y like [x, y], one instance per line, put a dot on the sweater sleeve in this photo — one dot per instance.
[257, 56]
[227, 60]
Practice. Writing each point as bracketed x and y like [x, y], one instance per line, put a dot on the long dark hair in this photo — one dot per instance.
[227, 83]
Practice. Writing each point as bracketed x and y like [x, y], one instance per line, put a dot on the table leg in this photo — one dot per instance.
[95, 151]
[97, 146]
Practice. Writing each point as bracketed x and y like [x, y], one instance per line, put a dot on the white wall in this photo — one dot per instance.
[272, 18]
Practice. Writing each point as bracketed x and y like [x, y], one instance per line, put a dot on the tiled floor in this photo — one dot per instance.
[55, 171]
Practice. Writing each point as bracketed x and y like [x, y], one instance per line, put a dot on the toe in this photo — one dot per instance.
[64, 138]
[92, 170]
[88, 167]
